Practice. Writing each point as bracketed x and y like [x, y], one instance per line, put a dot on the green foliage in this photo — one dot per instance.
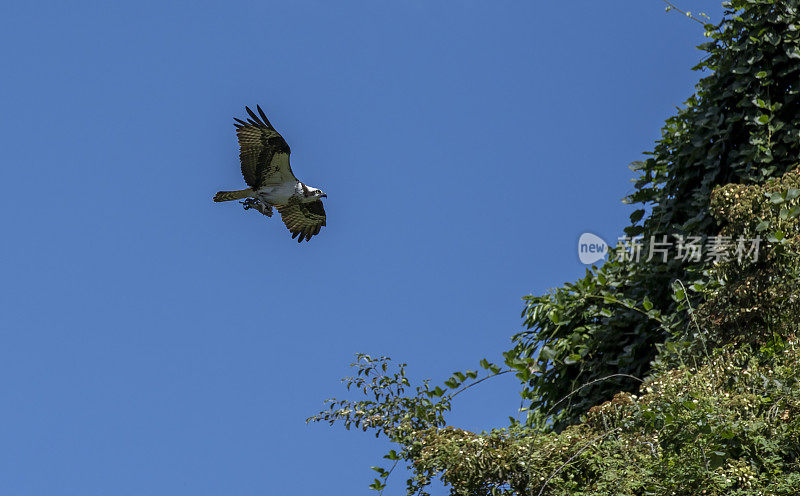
[729, 427]
[403, 417]
[749, 301]
[741, 126]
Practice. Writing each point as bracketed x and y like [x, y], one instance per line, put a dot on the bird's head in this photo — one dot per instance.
[315, 194]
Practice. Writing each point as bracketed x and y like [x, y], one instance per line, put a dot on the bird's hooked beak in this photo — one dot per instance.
[323, 195]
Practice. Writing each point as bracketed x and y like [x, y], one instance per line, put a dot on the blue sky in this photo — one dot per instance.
[156, 343]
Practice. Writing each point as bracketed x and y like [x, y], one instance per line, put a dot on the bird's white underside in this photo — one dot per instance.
[278, 194]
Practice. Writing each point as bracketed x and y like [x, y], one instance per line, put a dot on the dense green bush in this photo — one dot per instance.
[728, 427]
[749, 301]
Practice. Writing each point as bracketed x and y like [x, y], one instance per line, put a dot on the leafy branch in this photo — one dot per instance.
[404, 417]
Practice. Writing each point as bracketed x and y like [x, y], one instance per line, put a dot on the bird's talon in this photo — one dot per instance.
[257, 204]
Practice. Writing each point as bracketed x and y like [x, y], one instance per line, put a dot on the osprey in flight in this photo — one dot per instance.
[265, 166]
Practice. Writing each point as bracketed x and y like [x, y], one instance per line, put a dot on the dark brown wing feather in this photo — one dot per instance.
[258, 144]
[303, 219]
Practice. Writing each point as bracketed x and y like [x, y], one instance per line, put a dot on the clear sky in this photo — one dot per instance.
[155, 343]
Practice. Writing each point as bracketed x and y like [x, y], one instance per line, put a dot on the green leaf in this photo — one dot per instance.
[451, 383]
[377, 485]
[547, 353]
[647, 304]
[716, 459]
[637, 215]
[776, 197]
[772, 38]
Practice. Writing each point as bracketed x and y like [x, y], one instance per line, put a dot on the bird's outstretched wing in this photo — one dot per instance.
[303, 219]
[262, 150]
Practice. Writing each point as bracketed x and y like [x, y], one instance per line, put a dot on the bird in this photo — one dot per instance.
[264, 155]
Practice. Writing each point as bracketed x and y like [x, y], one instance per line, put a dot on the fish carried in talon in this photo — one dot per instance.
[264, 155]
[258, 205]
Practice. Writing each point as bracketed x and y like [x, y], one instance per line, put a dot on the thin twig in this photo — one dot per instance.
[590, 443]
[694, 319]
[479, 381]
[687, 14]
[689, 303]
[387, 476]
[589, 384]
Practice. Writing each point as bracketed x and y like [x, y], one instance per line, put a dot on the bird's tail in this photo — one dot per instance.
[222, 196]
